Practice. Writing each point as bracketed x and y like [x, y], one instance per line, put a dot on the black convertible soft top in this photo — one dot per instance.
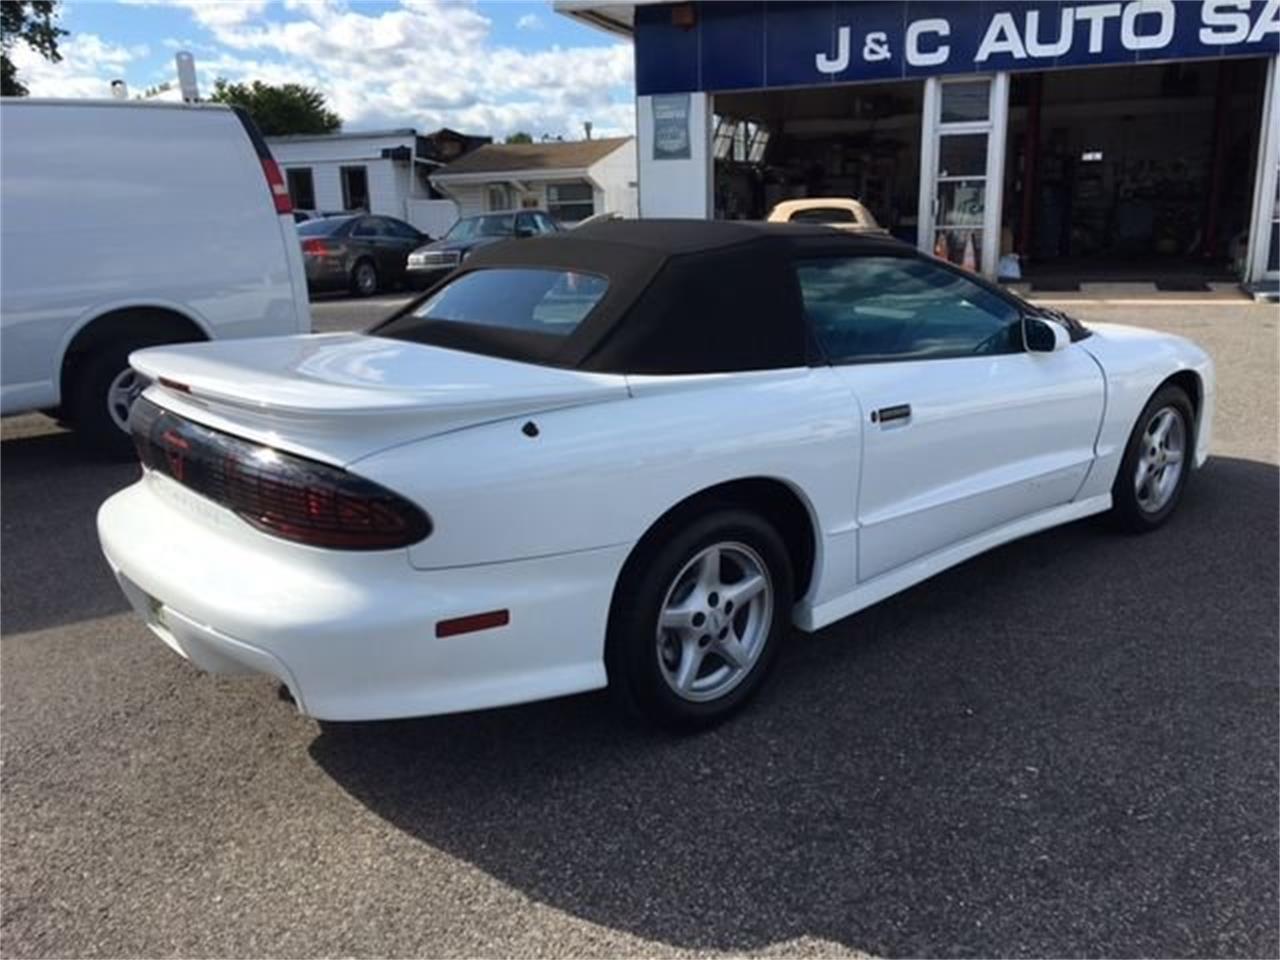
[683, 296]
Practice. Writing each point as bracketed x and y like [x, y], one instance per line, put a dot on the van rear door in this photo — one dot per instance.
[284, 213]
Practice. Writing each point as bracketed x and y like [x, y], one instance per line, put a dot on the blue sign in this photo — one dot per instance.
[748, 45]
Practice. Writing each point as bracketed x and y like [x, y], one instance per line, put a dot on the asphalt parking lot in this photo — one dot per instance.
[1065, 747]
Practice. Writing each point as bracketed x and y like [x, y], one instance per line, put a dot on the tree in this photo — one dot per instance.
[278, 110]
[33, 23]
[519, 137]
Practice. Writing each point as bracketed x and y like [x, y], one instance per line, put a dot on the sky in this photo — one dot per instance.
[493, 67]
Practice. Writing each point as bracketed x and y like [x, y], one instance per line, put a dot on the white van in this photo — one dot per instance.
[126, 224]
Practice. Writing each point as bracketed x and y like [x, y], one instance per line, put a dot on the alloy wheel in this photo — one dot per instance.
[125, 388]
[715, 622]
[1160, 460]
[366, 279]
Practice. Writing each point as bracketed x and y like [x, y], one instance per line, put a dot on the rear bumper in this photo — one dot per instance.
[326, 273]
[353, 635]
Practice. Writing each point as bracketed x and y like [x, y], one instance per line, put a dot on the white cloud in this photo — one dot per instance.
[530, 21]
[210, 13]
[421, 63]
[88, 66]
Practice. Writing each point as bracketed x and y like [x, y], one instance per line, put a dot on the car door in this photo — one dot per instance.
[363, 239]
[391, 249]
[964, 430]
[404, 237]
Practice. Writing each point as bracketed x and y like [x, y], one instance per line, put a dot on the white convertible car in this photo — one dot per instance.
[636, 455]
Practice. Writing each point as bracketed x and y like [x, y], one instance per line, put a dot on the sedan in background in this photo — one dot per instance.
[362, 253]
[586, 459]
[431, 263]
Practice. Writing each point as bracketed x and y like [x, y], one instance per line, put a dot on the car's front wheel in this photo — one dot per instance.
[697, 619]
[1157, 462]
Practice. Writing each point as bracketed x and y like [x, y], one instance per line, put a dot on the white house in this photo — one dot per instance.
[571, 181]
[383, 171]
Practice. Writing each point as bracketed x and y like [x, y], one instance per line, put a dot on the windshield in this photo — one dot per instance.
[323, 227]
[496, 225]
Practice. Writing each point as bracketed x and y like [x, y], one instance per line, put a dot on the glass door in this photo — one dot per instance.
[1262, 267]
[962, 164]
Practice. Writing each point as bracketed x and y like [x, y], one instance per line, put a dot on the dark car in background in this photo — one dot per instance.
[363, 253]
[429, 263]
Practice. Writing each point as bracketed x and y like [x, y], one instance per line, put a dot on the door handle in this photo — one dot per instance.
[899, 411]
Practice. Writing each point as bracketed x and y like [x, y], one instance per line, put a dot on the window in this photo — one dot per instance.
[545, 223]
[525, 227]
[526, 300]
[302, 188]
[824, 215]
[398, 228]
[355, 188]
[903, 308]
[740, 140]
[966, 101]
[499, 197]
[367, 227]
[570, 202]
[322, 226]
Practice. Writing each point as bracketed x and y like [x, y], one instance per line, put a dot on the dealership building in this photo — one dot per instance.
[1062, 140]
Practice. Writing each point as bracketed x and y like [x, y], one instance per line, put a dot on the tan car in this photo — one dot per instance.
[842, 213]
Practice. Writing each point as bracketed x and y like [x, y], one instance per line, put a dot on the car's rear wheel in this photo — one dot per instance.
[364, 279]
[697, 620]
[1157, 462]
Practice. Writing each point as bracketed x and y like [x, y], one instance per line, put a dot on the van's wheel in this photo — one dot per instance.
[1157, 462]
[364, 279]
[697, 620]
[104, 389]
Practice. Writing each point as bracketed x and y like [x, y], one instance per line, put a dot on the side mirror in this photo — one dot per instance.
[1040, 335]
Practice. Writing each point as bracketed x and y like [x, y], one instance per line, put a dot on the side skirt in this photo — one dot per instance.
[873, 591]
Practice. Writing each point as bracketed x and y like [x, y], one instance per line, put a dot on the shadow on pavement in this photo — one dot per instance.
[1066, 746]
[51, 569]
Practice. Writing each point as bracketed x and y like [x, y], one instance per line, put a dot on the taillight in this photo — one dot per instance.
[279, 192]
[275, 182]
[315, 246]
[282, 494]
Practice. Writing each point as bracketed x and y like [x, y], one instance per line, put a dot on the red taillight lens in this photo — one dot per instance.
[279, 192]
[315, 246]
[279, 493]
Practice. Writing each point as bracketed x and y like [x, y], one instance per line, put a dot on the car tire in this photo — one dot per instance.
[104, 388]
[364, 278]
[1157, 462]
[678, 653]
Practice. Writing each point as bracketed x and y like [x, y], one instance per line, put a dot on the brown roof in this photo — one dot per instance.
[552, 155]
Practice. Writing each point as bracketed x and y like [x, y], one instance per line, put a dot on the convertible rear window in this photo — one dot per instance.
[824, 215]
[529, 300]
